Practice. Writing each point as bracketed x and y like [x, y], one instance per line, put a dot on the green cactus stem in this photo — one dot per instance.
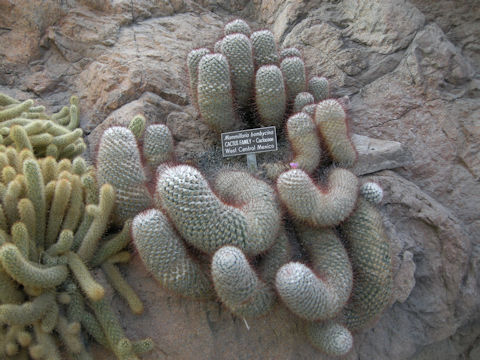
[305, 143]
[264, 48]
[214, 91]
[238, 51]
[157, 145]
[321, 292]
[193, 60]
[166, 258]
[237, 284]
[27, 273]
[119, 164]
[318, 206]
[330, 337]
[28, 312]
[270, 95]
[318, 87]
[208, 223]
[293, 70]
[331, 122]
[237, 26]
[369, 250]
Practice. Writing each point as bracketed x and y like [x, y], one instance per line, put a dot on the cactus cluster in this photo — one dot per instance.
[24, 125]
[52, 219]
[224, 235]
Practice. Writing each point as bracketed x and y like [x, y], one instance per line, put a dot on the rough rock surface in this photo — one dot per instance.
[411, 72]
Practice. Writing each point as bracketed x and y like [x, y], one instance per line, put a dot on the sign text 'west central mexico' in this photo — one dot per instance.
[249, 141]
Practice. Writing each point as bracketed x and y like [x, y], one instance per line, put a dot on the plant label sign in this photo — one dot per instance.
[249, 141]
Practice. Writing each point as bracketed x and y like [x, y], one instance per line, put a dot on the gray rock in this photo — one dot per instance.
[375, 155]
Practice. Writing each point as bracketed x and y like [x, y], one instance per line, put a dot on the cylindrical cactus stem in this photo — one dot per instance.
[76, 206]
[9, 291]
[270, 95]
[113, 245]
[330, 337]
[74, 119]
[165, 256]
[27, 273]
[21, 238]
[217, 48]
[90, 287]
[331, 122]
[101, 215]
[237, 284]
[318, 87]
[206, 222]
[214, 93]
[70, 338]
[7, 100]
[237, 48]
[303, 137]
[36, 194]
[20, 138]
[301, 100]
[143, 346]
[369, 249]
[61, 199]
[279, 254]
[264, 48]
[49, 320]
[28, 312]
[290, 52]
[237, 26]
[119, 164]
[157, 145]
[193, 59]
[372, 192]
[122, 287]
[293, 70]
[63, 244]
[113, 330]
[258, 203]
[15, 110]
[321, 292]
[315, 205]
[137, 125]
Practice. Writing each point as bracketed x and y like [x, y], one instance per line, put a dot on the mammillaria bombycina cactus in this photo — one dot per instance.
[222, 230]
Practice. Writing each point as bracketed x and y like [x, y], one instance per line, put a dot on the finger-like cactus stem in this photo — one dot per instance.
[165, 256]
[270, 95]
[315, 205]
[303, 137]
[331, 122]
[369, 250]
[237, 284]
[330, 337]
[214, 91]
[27, 273]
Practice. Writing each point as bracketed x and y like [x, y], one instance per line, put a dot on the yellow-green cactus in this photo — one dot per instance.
[45, 248]
[28, 127]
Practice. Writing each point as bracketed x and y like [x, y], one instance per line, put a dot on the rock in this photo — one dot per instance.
[375, 155]
[377, 24]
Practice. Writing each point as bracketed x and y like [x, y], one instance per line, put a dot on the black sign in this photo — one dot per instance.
[249, 141]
